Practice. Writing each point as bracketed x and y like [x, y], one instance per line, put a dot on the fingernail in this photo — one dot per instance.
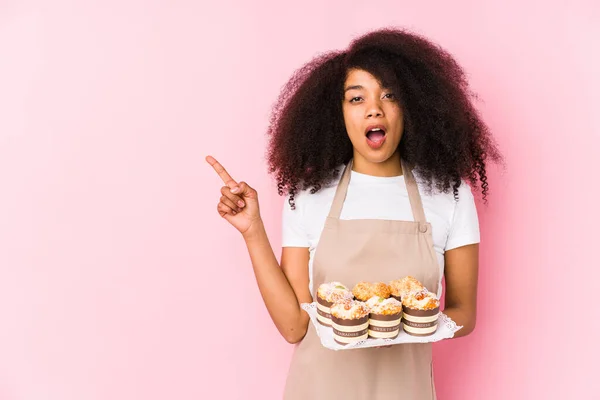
[235, 190]
[233, 212]
[241, 203]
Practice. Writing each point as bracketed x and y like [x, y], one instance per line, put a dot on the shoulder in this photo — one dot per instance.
[465, 192]
[304, 199]
[445, 205]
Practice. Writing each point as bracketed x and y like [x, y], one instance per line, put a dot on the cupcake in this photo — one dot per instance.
[363, 291]
[327, 294]
[350, 321]
[404, 286]
[384, 317]
[420, 313]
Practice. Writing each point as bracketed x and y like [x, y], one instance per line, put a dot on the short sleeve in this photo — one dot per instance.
[293, 233]
[464, 228]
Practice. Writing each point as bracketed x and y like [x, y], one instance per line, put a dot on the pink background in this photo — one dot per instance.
[112, 254]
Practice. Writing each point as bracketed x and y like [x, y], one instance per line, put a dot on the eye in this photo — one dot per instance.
[353, 99]
[392, 95]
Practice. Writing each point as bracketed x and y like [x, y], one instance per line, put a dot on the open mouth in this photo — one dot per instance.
[375, 136]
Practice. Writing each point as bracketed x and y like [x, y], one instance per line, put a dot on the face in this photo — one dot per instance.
[373, 118]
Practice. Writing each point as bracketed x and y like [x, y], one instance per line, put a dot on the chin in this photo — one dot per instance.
[376, 156]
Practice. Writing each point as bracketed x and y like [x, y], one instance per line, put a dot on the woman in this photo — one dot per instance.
[374, 147]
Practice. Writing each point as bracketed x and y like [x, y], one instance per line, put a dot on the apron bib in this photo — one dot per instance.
[350, 251]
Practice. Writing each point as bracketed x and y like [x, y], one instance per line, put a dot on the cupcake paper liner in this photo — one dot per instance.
[445, 329]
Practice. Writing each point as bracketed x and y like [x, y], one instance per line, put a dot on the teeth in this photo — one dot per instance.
[376, 129]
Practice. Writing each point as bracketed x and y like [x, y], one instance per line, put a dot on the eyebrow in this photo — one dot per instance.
[353, 87]
[358, 87]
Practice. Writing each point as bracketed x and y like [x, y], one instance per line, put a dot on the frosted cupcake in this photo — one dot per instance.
[363, 291]
[384, 317]
[420, 313]
[350, 321]
[404, 286]
[327, 294]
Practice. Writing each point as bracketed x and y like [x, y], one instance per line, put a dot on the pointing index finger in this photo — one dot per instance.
[227, 179]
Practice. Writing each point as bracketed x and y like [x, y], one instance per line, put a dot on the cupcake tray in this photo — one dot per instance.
[445, 330]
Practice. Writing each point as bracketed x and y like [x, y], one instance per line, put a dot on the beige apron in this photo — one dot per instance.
[350, 251]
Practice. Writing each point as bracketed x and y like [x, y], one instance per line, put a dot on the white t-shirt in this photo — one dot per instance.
[454, 223]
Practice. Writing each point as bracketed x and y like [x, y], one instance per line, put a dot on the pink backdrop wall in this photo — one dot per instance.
[111, 250]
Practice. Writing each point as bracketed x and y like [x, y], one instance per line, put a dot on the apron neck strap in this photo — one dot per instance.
[413, 194]
[411, 185]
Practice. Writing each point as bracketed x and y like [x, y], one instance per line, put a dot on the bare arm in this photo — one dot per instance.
[283, 287]
[461, 272]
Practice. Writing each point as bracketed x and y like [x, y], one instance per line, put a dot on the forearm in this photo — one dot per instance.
[461, 273]
[277, 293]
[462, 317]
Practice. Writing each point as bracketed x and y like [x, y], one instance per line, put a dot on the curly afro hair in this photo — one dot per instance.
[444, 138]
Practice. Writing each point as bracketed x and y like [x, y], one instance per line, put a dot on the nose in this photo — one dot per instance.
[374, 109]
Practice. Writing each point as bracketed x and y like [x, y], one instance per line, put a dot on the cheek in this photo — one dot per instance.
[353, 122]
[396, 117]
[394, 111]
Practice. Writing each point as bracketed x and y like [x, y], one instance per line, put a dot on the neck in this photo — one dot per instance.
[387, 168]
